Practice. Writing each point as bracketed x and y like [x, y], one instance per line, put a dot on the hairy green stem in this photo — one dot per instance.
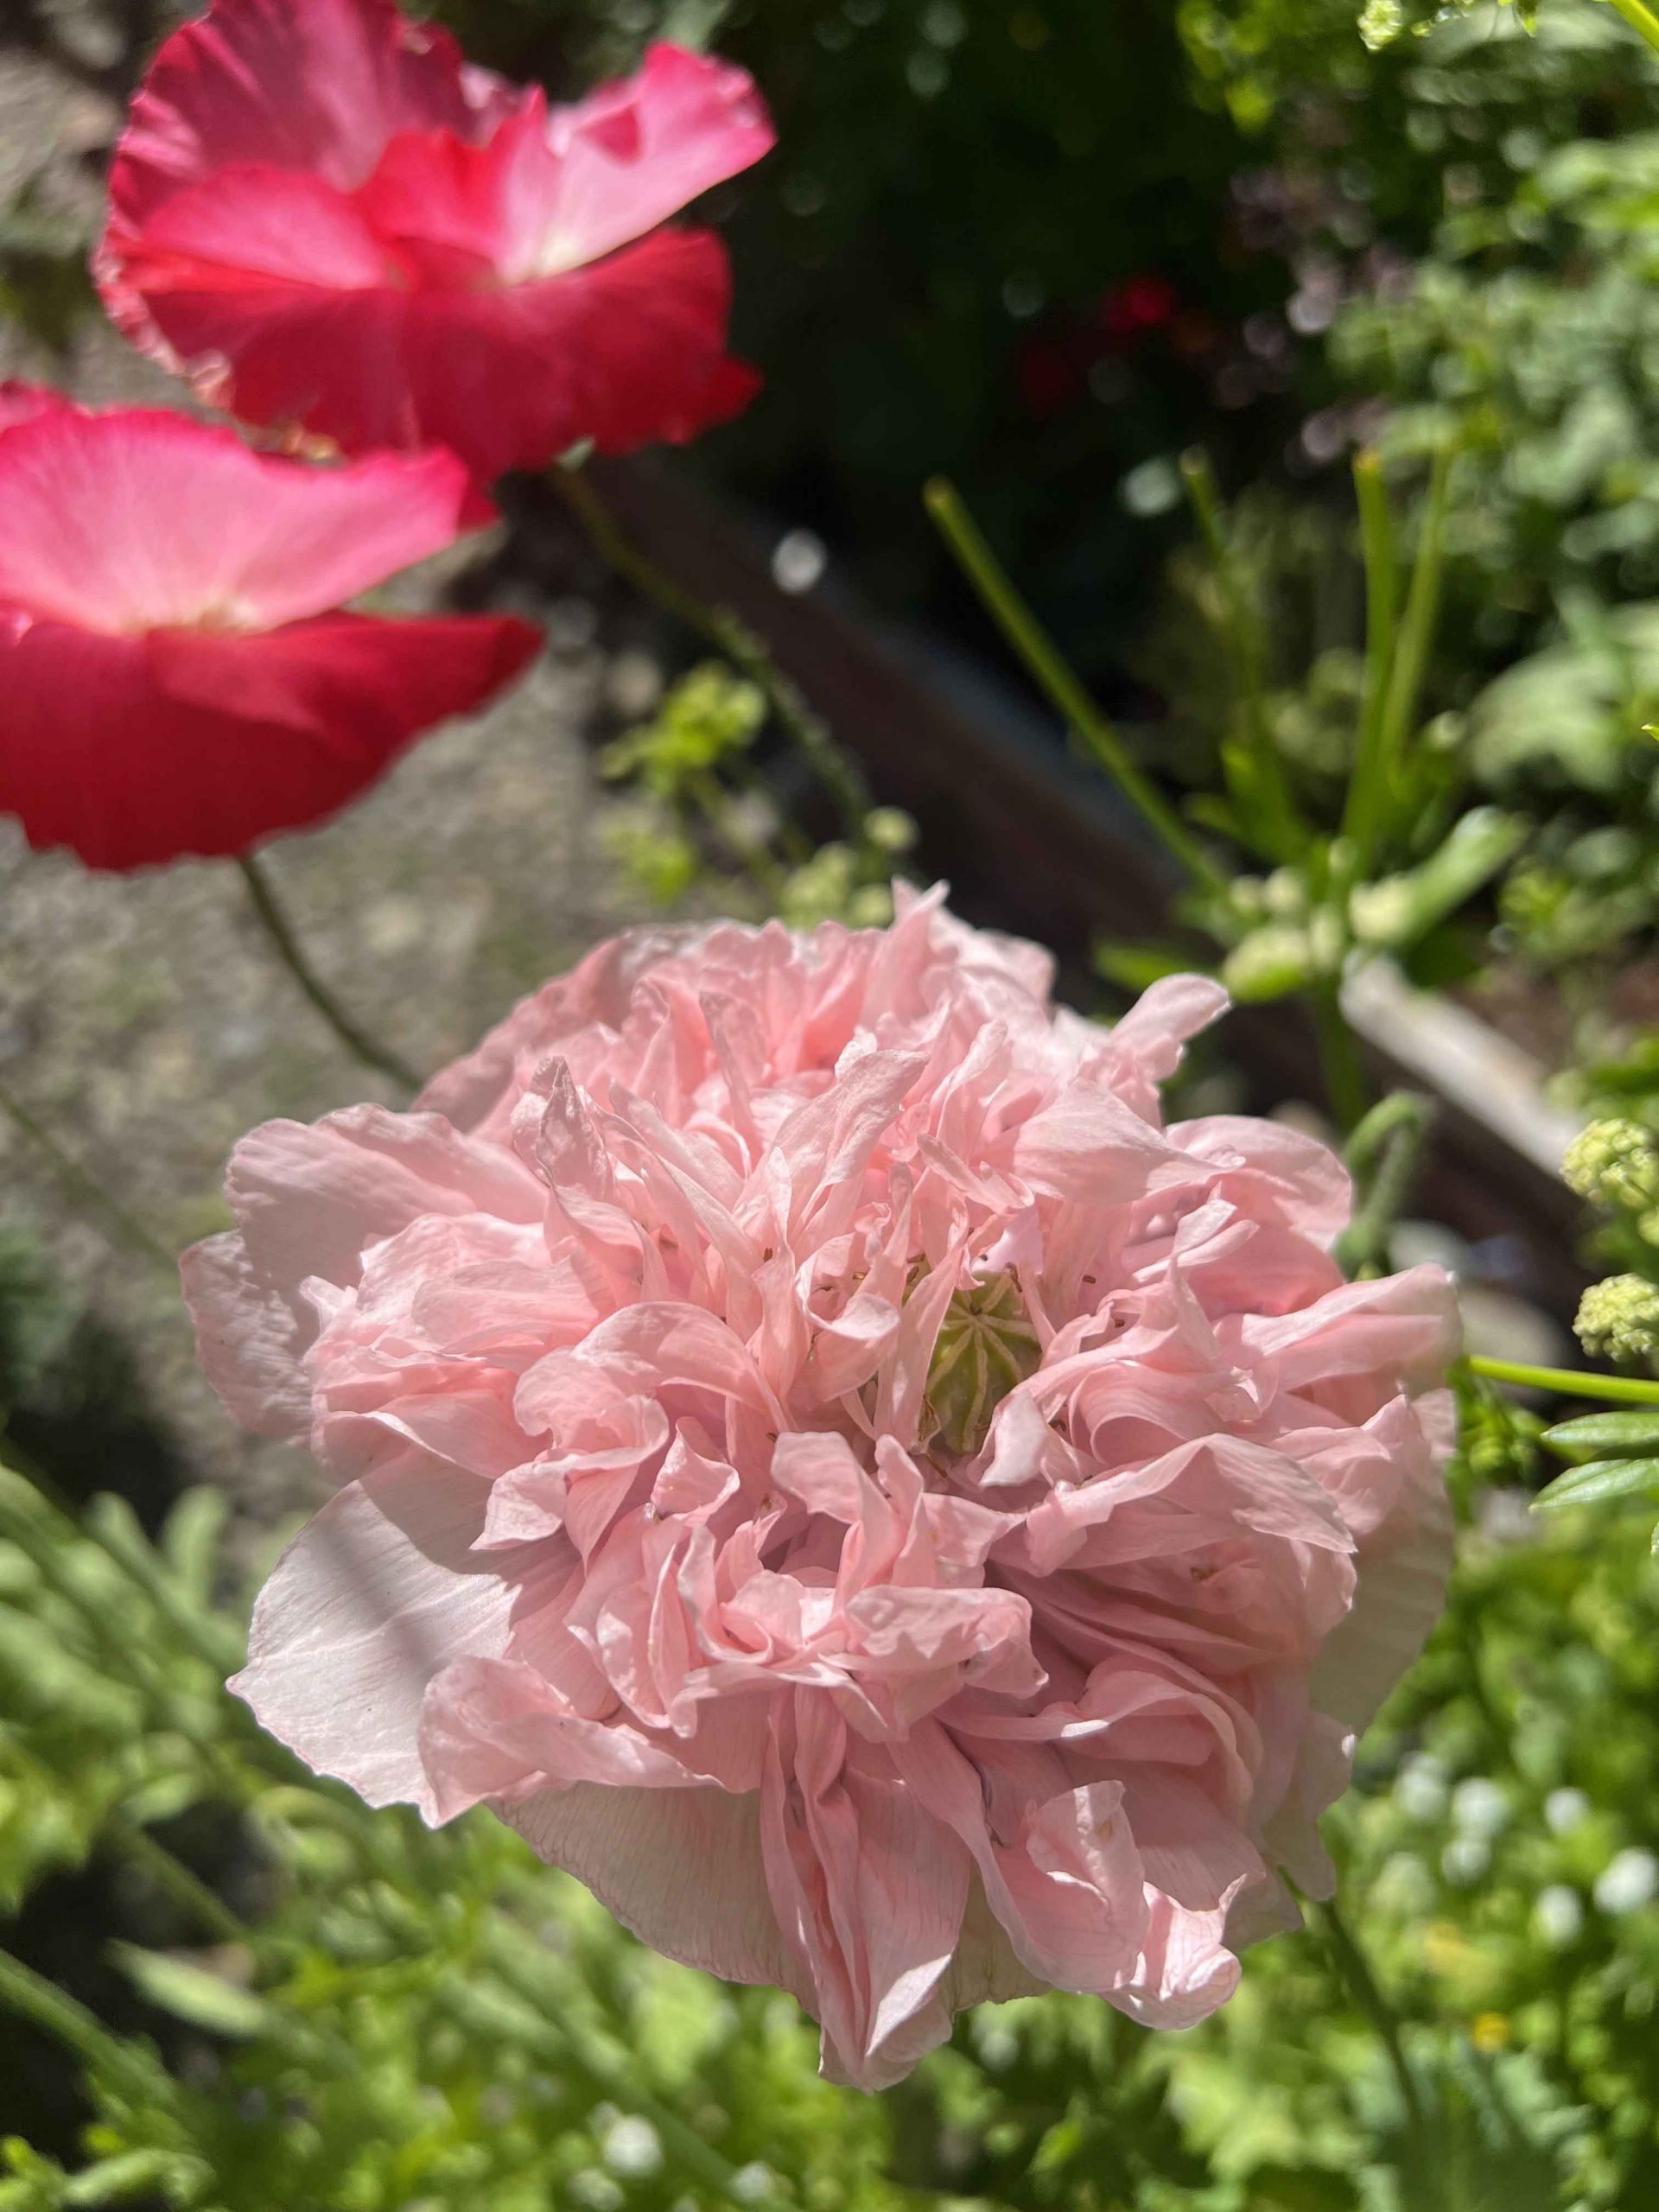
[84, 1188]
[1045, 665]
[838, 773]
[1566, 1382]
[275, 923]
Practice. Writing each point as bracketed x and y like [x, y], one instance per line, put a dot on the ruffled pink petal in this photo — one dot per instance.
[1186, 1970]
[682, 1868]
[626, 352]
[251, 542]
[133, 751]
[869, 1891]
[373, 1600]
[1402, 1587]
[548, 194]
[317, 86]
[1067, 1890]
[310, 1201]
[634, 153]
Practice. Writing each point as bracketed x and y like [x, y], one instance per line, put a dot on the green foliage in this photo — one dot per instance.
[407, 2017]
[702, 814]
[1530, 331]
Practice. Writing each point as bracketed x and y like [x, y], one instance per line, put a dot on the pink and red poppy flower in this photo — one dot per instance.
[327, 220]
[178, 676]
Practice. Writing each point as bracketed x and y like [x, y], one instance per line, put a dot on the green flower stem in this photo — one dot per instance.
[729, 634]
[1364, 803]
[1382, 1154]
[1566, 1382]
[716, 804]
[84, 1188]
[1048, 671]
[275, 923]
[1241, 631]
[175, 1881]
[1640, 18]
[1347, 1093]
[1354, 1970]
[41, 2002]
[1403, 651]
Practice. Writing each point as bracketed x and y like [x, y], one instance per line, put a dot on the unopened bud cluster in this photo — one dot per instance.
[1618, 1320]
[1615, 1163]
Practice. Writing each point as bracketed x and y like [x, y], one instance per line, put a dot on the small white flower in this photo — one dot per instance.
[1464, 1860]
[1479, 1807]
[1627, 1882]
[1421, 1788]
[1564, 1809]
[1558, 1915]
[631, 2148]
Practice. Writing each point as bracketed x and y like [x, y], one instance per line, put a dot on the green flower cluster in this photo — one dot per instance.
[1618, 1320]
[1615, 1163]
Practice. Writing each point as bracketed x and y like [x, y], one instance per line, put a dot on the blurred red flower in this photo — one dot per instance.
[1139, 305]
[326, 219]
[177, 677]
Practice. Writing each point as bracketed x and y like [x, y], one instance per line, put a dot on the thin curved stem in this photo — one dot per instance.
[1566, 1382]
[86, 1188]
[279, 930]
[1347, 1093]
[41, 2003]
[1362, 803]
[729, 634]
[175, 1880]
[1382, 1156]
[1640, 18]
[1355, 1970]
[1047, 668]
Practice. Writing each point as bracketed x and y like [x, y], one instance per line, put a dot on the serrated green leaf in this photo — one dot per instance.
[1599, 1481]
[1626, 1436]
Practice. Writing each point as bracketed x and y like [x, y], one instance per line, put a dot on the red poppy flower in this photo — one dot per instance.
[326, 219]
[176, 675]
